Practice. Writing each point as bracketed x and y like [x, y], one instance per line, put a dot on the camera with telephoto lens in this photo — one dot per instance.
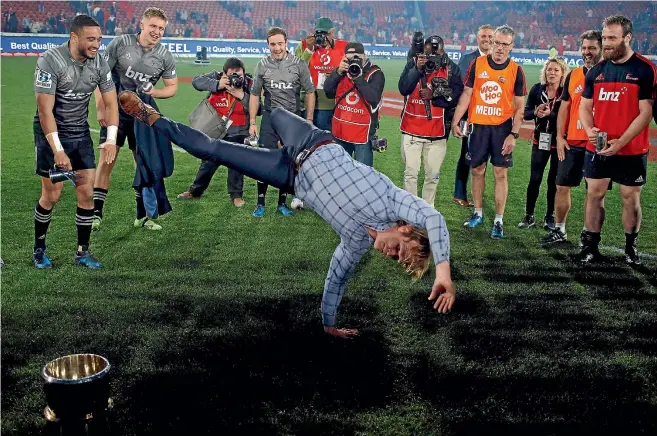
[320, 38]
[417, 45]
[379, 144]
[441, 88]
[60, 175]
[236, 81]
[355, 67]
[432, 64]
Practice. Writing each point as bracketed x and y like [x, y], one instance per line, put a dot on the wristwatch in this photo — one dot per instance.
[515, 135]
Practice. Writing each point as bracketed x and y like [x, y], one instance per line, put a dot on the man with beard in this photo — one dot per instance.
[282, 76]
[371, 212]
[617, 100]
[571, 137]
[64, 80]
[134, 60]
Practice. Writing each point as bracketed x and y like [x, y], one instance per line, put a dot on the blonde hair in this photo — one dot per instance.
[155, 12]
[417, 262]
[565, 69]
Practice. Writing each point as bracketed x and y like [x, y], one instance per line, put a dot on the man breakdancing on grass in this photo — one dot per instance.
[362, 205]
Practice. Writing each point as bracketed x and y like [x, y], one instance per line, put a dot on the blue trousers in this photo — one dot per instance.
[361, 152]
[274, 167]
[322, 119]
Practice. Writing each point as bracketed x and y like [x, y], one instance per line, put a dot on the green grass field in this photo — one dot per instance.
[213, 325]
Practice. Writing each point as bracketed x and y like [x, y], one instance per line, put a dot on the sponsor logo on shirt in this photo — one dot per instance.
[610, 95]
[600, 77]
[483, 75]
[139, 77]
[281, 85]
[43, 79]
[76, 95]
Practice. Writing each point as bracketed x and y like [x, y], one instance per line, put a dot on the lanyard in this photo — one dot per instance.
[550, 105]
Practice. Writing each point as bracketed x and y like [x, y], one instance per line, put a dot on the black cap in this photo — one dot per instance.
[435, 39]
[354, 47]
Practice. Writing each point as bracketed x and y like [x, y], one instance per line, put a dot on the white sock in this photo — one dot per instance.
[498, 218]
[479, 211]
[561, 226]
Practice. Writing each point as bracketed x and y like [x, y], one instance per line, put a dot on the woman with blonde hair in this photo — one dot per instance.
[542, 107]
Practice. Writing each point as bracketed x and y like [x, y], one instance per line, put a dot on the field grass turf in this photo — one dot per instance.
[213, 325]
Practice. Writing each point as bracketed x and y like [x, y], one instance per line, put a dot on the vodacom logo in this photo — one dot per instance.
[352, 98]
[490, 92]
[325, 59]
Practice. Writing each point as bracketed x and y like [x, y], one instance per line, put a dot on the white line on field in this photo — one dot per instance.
[603, 247]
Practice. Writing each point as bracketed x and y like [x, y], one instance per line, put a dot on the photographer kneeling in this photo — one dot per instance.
[357, 86]
[431, 85]
[223, 114]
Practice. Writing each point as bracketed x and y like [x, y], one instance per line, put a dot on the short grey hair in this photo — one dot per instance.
[505, 29]
[485, 26]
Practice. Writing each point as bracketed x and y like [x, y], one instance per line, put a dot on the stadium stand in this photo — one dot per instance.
[540, 25]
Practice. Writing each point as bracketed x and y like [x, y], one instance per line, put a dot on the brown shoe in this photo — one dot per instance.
[238, 202]
[186, 196]
[464, 203]
[133, 106]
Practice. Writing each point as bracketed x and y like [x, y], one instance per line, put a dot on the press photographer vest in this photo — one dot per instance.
[414, 115]
[324, 60]
[492, 93]
[222, 102]
[576, 136]
[353, 116]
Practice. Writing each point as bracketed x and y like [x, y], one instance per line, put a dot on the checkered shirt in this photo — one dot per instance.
[351, 197]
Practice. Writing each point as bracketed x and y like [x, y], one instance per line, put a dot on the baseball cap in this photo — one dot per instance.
[354, 47]
[323, 24]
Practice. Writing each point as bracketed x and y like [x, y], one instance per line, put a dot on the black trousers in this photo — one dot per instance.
[540, 159]
[235, 179]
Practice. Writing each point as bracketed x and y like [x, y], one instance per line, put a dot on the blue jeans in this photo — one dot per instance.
[361, 152]
[322, 119]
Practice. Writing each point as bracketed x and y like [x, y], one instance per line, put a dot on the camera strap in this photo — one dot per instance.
[343, 96]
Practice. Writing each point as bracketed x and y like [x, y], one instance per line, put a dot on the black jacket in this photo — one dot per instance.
[411, 76]
[465, 62]
[210, 82]
[547, 124]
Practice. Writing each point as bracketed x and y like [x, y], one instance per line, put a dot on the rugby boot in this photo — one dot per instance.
[497, 232]
[474, 221]
[555, 236]
[259, 211]
[95, 224]
[283, 209]
[85, 258]
[41, 259]
[527, 222]
[632, 254]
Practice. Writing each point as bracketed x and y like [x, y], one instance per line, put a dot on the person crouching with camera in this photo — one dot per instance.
[222, 115]
[431, 85]
[357, 86]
